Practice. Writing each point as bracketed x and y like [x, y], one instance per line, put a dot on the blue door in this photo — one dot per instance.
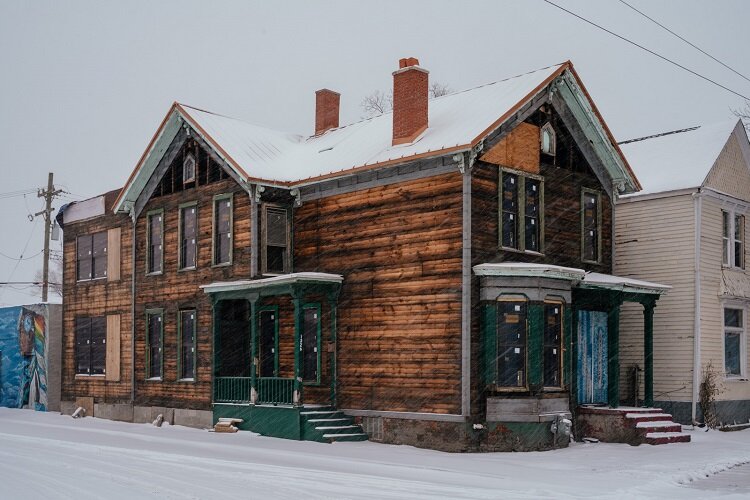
[592, 357]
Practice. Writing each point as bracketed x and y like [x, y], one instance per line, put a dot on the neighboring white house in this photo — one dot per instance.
[688, 228]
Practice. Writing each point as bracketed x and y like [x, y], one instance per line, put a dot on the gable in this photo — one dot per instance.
[519, 149]
[730, 173]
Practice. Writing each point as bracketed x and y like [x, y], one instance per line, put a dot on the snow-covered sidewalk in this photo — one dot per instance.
[46, 455]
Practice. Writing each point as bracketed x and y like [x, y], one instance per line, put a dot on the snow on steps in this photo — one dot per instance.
[632, 425]
[330, 425]
[667, 437]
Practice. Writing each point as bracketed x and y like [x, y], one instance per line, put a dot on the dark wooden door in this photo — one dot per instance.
[310, 332]
[268, 343]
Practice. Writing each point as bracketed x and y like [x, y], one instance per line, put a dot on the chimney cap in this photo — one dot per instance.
[407, 61]
[327, 90]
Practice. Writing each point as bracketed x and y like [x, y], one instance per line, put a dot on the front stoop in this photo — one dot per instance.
[634, 426]
[328, 425]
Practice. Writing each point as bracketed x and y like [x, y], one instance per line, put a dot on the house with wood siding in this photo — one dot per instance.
[439, 275]
[688, 228]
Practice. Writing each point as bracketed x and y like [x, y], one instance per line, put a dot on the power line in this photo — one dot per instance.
[13, 194]
[21, 257]
[686, 41]
[647, 50]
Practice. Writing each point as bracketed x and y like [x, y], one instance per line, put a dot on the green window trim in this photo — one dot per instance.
[149, 260]
[598, 196]
[316, 306]
[180, 208]
[214, 257]
[520, 230]
[150, 376]
[180, 347]
[275, 310]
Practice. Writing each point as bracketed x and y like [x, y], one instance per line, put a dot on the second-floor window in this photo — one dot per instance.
[155, 239]
[275, 240]
[521, 212]
[222, 230]
[591, 221]
[91, 256]
[733, 231]
[188, 235]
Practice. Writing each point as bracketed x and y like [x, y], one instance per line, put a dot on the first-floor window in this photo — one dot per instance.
[511, 343]
[91, 337]
[734, 333]
[187, 344]
[553, 328]
[154, 329]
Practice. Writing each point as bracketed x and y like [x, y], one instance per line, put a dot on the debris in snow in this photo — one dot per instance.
[79, 413]
[478, 427]
[159, 420]
[590, 440]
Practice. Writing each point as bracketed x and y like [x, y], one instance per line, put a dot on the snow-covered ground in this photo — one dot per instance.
[46, 455]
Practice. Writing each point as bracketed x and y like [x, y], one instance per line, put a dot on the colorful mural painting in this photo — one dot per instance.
[23, 364]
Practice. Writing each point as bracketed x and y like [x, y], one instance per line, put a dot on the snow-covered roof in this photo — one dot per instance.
[611, 282]
[678, 160]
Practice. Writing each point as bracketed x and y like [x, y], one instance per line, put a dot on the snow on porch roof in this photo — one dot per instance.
[284, 279]
[583, 278]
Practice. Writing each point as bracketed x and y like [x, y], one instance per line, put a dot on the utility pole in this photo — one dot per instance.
[48, 195]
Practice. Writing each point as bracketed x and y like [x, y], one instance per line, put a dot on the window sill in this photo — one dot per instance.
[188, 380]
[154, 379]
[591, 261]
[155, 273]
[84, 376]
[184, 269]
[91, 280]
[524, 252]
[732, 379]
[511, 389]
[223, 264]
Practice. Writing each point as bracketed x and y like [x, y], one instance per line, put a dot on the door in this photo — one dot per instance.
[310, 335]
[592, 357]
[268, 321]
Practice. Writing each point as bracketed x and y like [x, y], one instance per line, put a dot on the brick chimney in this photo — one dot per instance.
[410, 92]
[326, 110]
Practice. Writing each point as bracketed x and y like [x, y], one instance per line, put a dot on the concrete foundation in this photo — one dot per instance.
[124, 412]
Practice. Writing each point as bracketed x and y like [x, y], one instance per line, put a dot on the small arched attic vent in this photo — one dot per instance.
[547, 139]
[188, 168]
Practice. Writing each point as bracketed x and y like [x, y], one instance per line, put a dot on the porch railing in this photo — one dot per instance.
[275, 390]
[232, 389]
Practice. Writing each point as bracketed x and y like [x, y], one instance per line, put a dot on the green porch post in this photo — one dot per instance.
[648, 353]
[489, 337]
[215, 305]
[333, 301]
[253, 350]
[297, 398]
[613, 353]
[535, 346]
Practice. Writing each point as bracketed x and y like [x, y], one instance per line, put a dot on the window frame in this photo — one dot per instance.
[730, 221]
[214, 228]
[547, 127]
[185, 179]
[180, 345]
[503, 388]
[180, 208]
[149, 376]
[92, 259]
[560, 345]
[599, 253]
[742, 332]
[149, 262]
[277, 321]
[90, 320]
[316, 306]
[521, 212]
[264, 239]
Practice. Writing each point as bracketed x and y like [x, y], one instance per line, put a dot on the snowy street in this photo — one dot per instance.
[53, 456]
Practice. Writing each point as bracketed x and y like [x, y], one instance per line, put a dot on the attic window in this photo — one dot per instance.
[547, 139]
[188, 169]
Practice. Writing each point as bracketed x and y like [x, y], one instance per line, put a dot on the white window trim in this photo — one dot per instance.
[728, 256]
[743, 340]
[547, 127]
[186, 178]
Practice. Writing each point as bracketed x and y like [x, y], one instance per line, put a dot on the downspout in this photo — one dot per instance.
[132, 309]
[697, 197]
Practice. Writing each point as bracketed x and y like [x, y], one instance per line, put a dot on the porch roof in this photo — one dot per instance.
[284, 279]
[579, 277]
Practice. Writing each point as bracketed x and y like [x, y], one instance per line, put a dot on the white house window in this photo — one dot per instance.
[188, 168]
[733, 240]
[547, 139]
[734, 341]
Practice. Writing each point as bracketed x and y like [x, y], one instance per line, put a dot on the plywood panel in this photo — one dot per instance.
[113, 254]
[113, 347]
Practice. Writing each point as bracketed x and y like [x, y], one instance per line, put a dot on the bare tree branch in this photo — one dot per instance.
[744, 114]
[437, 89]
[380, 102]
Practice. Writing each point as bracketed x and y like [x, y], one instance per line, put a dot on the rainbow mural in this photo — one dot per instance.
[23, 348]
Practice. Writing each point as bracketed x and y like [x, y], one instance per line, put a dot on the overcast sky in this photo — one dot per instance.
[85, 84]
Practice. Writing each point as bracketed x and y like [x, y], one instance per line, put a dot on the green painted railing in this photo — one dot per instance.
[275, 390]
[232, 389]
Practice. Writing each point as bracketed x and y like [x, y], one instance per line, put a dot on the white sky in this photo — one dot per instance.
[85, 84]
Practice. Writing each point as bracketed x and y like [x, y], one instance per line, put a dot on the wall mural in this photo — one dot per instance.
[23, 347]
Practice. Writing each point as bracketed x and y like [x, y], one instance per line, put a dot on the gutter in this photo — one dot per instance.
[132, 312]
[697, 197]
[465, 162]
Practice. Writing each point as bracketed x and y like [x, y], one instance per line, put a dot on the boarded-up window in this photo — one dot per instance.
[509, 210]
[552, 345]
[113, 347]
[90, 352]
[91, 256]
[511, 343]
[734, 332]
[188, 234]
[187, 344]
[155, 242]
[531, 215]
[154, 327]
[223, 230]
[113, 254]
[591, 226]
[276, 240]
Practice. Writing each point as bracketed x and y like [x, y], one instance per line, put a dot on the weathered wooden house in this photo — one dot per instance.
[438, 276]
[688, 228]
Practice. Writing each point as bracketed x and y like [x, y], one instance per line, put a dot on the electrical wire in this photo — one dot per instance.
[686, 41]
[13, 194]
[695, 73]
[22, 257]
